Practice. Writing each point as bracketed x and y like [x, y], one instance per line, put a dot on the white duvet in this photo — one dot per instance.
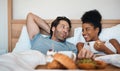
[28, 60]
[113, 59]
[22, 61]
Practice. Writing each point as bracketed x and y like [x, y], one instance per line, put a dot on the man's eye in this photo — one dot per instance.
[68, 29]
[63, 26]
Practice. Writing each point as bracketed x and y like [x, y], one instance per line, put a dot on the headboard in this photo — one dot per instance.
[15, 26]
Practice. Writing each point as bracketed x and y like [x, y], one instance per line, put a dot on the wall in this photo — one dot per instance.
[70, 8]
[3, 27]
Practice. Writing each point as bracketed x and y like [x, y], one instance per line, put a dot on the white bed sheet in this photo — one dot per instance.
[23, 61]
[28, 60]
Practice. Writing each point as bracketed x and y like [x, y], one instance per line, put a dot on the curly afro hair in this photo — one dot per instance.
[93, 17]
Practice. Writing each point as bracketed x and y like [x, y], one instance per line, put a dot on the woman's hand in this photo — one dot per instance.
[84, 53]
[99, 45]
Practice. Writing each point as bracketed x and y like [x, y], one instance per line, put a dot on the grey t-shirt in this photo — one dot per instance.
[43, 44]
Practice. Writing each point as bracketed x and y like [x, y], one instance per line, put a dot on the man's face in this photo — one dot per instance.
[61, 32]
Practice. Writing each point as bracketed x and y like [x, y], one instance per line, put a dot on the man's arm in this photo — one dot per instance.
[34, 23]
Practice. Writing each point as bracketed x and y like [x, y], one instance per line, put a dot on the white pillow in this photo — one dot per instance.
[23, 41]
[109, 33]
[106, 34]
[78, 35]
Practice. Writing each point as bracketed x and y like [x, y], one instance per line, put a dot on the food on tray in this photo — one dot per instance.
[55, 65]
[100, 64]
[87, 63]
[65, 61]
[62, 61]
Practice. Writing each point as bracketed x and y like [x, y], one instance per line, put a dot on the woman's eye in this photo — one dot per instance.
[87, 29]
[82, 30]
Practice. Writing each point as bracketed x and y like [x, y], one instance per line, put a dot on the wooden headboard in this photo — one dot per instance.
[15, 26]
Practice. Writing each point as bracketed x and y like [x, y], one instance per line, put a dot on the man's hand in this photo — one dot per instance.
[84, 53]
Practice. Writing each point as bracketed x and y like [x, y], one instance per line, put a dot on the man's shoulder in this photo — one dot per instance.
[44, 36]
[68, 43]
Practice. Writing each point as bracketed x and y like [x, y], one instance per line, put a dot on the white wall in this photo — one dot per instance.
[3, 27]
[70, 8]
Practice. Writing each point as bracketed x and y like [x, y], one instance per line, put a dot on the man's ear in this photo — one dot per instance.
[53, 29]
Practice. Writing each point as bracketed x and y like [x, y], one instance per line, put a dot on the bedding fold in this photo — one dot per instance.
[22, 61]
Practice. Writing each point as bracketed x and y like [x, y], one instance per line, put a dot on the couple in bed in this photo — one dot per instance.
[59, 31]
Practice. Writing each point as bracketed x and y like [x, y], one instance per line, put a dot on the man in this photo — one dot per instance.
[59, 31]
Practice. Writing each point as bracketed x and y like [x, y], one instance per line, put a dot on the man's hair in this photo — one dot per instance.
[57, 21]
[93, 17]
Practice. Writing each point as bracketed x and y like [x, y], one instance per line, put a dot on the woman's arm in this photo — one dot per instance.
[100, 46]
[116, 44]
[34, 24]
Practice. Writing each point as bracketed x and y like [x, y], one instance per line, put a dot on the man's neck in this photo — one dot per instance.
[58, 40]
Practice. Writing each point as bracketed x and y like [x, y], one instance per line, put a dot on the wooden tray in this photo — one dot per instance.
[108, 68]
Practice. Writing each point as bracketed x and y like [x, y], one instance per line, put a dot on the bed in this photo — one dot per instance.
[15, 27]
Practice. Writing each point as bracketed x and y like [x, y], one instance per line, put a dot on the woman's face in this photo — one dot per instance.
[89, 32]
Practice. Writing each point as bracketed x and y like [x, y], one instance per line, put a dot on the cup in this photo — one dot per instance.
[70, 54]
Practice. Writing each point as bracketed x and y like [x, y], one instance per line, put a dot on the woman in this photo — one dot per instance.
[91, 28]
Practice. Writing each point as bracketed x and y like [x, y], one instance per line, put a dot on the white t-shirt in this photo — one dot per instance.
[91, 47]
